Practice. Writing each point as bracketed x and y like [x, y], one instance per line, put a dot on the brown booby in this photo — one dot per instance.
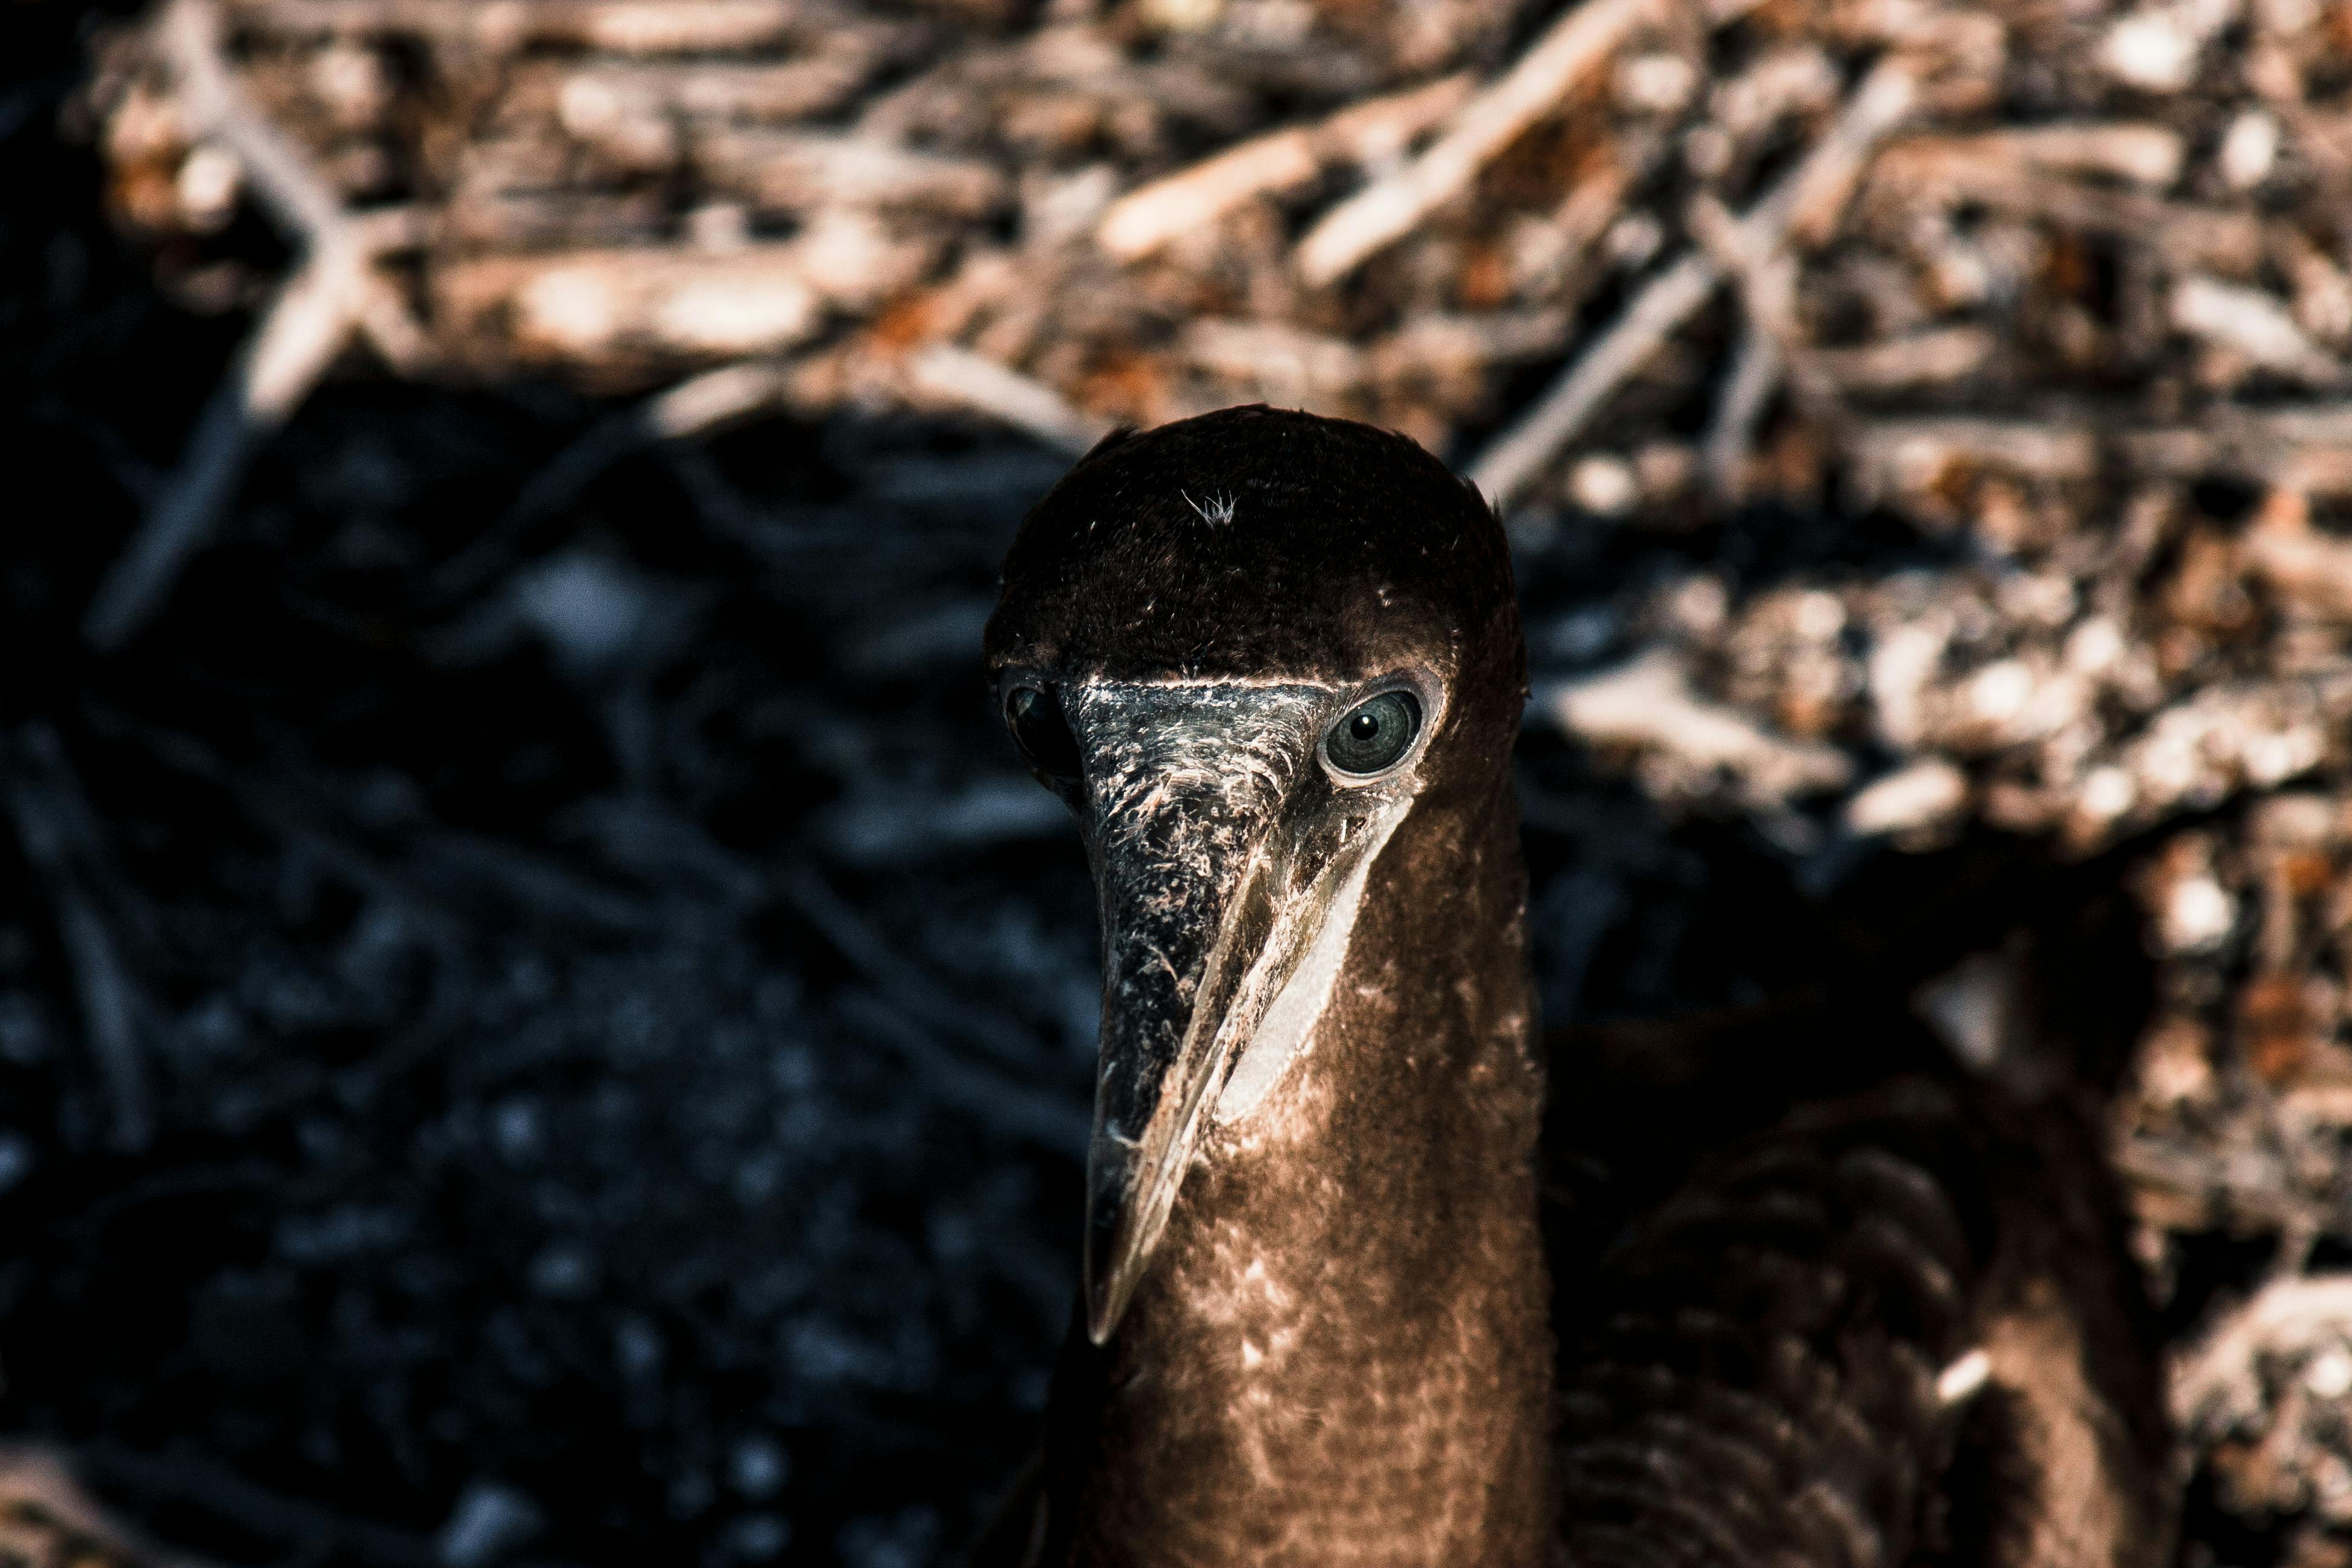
[1272, 664]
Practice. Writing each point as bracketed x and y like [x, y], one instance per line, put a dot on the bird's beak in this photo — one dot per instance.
[1220, 857]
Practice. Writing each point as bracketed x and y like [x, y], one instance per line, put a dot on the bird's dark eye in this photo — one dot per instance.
[1041, 732]
[1371, 737]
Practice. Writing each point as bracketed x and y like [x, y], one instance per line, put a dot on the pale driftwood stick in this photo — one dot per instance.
[1813, 195]
[305, 328]
[1506, 468]
[614, 26]
[1468, 346]
[1905, 456]
[2307, 449]
[2254, 324]
[2187, 238]
[2310, 571]
[1648, 705]
[702, 403]
[493, 220]
[2181, 1191]
[1142, 221]
[335, 290]
[947, 374]
[587, 96]
[1281, 362]
[2143, 153]
[772, 90]
[383, 231]
[1924, 795]
[2287, 1314]
[1145, 219]
[1550, 252]
[1388, 210]
[801, 170]
[1921, 359]
[612, 307]
[1770, 347]
[1757, 366]
[285, 179]
[1384, 127]
[45, 802]
[1760, 266]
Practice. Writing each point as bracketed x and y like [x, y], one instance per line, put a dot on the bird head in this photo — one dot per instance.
[1243, 648]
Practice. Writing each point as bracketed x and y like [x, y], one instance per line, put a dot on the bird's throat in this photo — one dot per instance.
[1342, 1352]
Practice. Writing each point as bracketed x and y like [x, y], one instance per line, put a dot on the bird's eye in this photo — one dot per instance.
[1371, 736]
[1042, 733]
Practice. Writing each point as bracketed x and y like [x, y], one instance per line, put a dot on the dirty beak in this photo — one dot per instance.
[1217, 852]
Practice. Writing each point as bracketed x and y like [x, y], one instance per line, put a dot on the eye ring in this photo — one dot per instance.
[1374, 735]
[1033, 716]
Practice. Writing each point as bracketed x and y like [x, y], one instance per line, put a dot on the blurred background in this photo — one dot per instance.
[541, 1022]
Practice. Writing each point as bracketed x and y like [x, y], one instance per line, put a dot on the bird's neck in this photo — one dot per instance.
[1342, 1353]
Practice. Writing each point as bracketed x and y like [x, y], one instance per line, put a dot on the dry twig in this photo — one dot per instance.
[1143, 220]
[960, 378]
[1649, 706]
[1508, 466]
[1389, 208]
[335, 291]
[54, 828]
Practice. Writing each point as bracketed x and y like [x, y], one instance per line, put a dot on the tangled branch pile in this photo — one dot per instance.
[1157, 208]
